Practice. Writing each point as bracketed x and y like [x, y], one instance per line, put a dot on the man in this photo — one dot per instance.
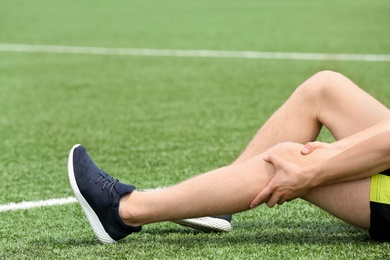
[280, 164]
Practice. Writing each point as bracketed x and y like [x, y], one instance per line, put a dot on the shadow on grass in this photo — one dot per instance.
[253, 232]
[264, 233]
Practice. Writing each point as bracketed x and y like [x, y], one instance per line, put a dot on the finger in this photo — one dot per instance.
[262, 197]
[259, 199]
[273, 200]
[281, 201]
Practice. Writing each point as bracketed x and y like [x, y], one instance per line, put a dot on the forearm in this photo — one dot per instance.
[352, 140]
[296, 176]
[358, 161]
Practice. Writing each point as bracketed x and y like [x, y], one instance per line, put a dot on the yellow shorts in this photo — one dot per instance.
[380, 206]
[380, 189]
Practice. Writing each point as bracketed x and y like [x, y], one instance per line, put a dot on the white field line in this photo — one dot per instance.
[41, 203]
[192, 53]
[36, 204]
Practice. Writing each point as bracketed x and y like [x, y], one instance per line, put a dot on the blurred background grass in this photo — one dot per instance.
[154, 121]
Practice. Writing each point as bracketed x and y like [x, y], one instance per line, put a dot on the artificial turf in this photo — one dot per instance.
[154, 121]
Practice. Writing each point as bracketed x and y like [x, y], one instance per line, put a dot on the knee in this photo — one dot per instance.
[325, 79]
[321, 85]
[286, 150]
[326, 76]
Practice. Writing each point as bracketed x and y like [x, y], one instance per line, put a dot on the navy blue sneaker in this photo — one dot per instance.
[99, 195]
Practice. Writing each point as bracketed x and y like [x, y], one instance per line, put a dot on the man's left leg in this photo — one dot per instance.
[327, 98]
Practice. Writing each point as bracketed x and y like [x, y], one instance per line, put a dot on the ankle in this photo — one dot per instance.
[127, 212]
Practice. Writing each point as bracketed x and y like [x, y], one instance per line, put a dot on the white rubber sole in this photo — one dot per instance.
[93, 219]
[207, 224]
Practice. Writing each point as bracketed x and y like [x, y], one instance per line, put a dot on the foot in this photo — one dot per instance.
[99, 195]
[208, 224]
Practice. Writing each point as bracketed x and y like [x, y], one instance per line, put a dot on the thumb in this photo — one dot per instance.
[309, 147]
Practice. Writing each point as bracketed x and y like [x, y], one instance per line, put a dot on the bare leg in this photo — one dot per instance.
[349, 201]
[230, 189]
[327, 98]
[222, 191]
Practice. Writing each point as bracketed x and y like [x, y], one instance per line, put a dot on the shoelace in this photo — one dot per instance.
[106, 183]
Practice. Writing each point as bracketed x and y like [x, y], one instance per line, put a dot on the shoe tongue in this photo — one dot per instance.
[123, 189]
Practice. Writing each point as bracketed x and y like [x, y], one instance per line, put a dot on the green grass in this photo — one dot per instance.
[155, 121]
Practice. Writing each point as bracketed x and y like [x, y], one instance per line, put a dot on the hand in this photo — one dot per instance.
[311, 146]
[290, 182]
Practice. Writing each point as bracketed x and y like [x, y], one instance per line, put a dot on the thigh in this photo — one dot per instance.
[345, 108]
[349, 201]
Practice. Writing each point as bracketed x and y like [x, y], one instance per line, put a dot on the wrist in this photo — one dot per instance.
[340, 145]
[313, 173]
